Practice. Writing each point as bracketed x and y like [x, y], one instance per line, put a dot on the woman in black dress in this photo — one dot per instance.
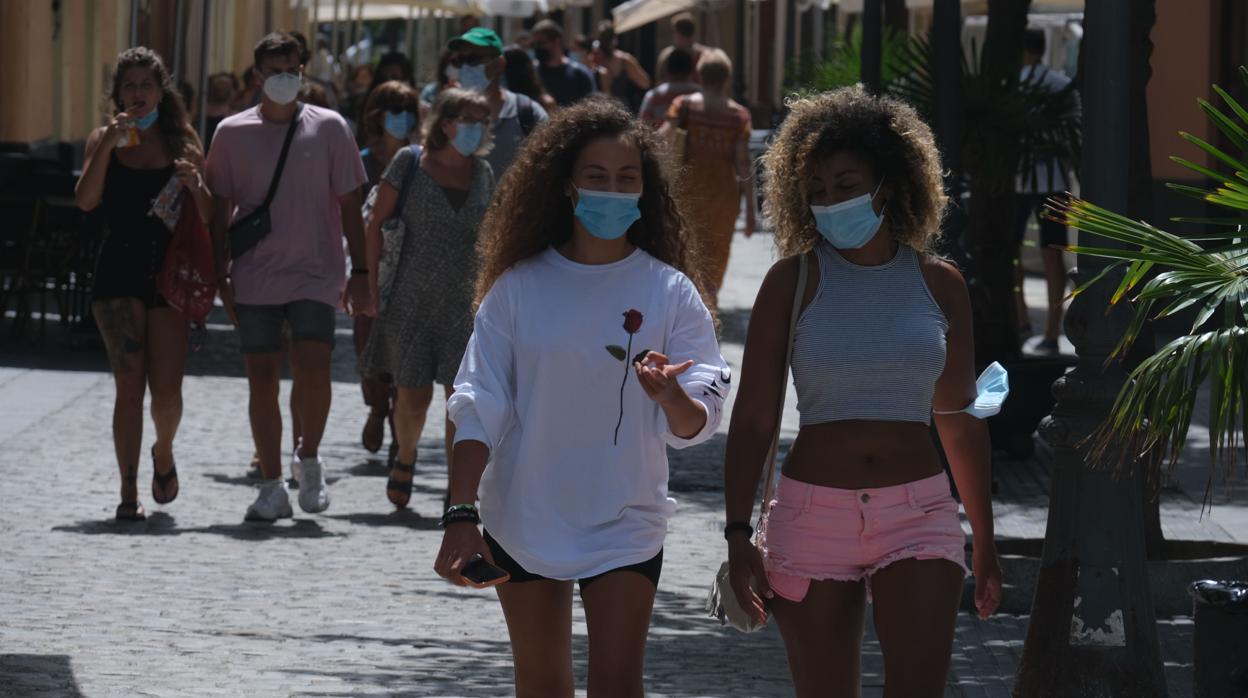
[129, 161]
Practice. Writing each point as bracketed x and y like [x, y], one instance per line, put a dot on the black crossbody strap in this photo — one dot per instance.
[281, 160]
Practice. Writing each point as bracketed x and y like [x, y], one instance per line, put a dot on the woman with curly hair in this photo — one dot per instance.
[883, 341]
[592, 351]
[148, 143]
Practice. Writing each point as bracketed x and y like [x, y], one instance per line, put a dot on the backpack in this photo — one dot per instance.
[525, 113]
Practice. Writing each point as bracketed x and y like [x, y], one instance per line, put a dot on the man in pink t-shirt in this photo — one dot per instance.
[296, 274]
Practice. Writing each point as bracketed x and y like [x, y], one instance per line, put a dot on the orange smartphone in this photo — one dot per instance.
[481, 574]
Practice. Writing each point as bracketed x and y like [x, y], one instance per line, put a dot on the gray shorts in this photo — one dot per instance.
[260, 326]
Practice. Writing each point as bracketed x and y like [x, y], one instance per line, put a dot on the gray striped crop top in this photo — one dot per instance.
[871, 343]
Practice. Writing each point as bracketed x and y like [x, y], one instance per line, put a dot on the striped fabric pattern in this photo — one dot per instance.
[871, 343]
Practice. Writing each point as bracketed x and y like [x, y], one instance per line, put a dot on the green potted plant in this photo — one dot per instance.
[1203, 278]
[1166, 274]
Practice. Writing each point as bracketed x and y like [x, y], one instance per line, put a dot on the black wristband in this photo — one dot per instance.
[358, 270]
[738, 526]
[460, 515]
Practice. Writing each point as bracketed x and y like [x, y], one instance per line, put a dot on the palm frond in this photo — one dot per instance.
[1152, 415]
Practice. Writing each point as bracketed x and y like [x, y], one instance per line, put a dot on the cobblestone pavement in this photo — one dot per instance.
[194, 602]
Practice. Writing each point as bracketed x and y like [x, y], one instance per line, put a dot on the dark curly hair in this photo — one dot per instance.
[172, 122]
[532, 211]
[883, 132]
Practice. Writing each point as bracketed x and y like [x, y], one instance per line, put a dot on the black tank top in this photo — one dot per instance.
[128, 196]
[134, 250]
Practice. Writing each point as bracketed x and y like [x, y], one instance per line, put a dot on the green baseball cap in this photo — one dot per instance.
[477, 36]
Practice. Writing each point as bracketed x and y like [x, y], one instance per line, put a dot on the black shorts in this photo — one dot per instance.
[1051, 232]
[260, 327]
[650, 569]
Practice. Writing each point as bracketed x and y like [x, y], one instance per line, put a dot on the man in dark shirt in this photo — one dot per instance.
[566, 81]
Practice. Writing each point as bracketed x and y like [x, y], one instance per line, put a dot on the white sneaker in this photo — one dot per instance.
[313, 493]
[271, 504]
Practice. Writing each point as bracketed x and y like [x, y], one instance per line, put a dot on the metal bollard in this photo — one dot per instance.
[1220, 613]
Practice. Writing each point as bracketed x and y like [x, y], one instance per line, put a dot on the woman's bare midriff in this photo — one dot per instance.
[859, 454]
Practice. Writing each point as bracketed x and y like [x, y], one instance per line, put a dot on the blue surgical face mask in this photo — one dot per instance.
[468, 138]
[992, 388]
[146, 122]
[850, 224]
[606, 215]
[400, 123]
[473, 77]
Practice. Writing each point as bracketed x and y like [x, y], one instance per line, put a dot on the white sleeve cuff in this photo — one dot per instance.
[705, 433]
[468, 427]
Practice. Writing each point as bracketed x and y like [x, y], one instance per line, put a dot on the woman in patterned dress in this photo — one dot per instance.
[420, 333]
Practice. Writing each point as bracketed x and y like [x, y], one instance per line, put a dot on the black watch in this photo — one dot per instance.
[358, 270]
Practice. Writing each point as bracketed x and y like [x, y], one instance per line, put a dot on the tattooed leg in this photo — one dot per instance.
[122, 323]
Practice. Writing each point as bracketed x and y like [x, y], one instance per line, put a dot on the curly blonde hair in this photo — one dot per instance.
[531, 209]
[883, 132]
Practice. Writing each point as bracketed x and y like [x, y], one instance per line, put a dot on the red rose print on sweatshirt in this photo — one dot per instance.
[632, 324]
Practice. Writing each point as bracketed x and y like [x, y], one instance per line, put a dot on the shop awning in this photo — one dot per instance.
[638, 13]
[513, 8]
[855, 6]
[393, 9]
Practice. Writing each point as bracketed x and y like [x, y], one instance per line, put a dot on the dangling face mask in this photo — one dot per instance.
[468, 138]
[145, 122]
[992, 388]
[607, 215]
[850, 224]
[399, 124]
[283, 88]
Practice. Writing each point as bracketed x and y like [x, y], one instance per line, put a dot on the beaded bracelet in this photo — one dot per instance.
[460, 512]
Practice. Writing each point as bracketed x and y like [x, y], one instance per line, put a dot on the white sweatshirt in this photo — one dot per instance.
[540, 388]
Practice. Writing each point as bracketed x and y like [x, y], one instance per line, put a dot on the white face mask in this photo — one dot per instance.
[283, 88]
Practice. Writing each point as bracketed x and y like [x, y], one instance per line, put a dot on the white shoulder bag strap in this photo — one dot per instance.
[769, 484]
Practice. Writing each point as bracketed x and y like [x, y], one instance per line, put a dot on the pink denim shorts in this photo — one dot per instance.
[819, 533]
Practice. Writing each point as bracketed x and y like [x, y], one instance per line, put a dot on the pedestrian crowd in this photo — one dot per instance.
[543, 232]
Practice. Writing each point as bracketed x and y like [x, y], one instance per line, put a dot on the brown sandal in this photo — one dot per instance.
[374, 434]
[163, 481]
[130, 511]
[400, 493]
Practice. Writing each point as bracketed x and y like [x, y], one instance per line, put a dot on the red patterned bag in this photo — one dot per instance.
[188, 279]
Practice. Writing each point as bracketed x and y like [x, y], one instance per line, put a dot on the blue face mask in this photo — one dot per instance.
[473, 77]
[850, 224]
[993, 387]
[400, 123]
[467, 138]
[606, 215]
[146, 122]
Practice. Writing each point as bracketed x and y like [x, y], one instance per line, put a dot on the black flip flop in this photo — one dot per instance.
[163, 481]
[130, 511]
[400, 493]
